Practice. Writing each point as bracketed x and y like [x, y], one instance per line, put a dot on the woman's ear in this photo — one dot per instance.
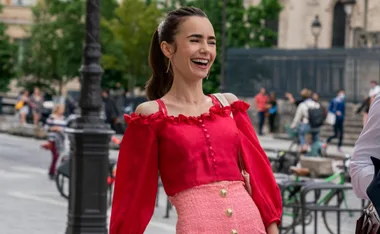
[167, 49]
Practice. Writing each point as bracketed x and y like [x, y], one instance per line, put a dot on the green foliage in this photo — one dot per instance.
[7, 58]
[246, 27]
[54, 52]
[126, 49]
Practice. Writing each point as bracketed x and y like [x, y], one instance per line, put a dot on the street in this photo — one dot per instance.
[31, 204]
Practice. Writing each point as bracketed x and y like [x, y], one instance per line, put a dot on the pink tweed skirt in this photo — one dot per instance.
[218, 208]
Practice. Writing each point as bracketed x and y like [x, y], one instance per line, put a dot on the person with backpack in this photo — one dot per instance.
[308, 118]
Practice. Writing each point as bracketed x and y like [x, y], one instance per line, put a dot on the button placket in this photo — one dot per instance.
[208, 142]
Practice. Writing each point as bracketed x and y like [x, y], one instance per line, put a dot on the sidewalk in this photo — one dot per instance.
[270, 143]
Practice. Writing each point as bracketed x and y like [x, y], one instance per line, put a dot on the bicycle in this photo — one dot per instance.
[63, 175]
[291, 193]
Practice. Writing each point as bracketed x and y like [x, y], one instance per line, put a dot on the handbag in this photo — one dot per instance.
[369, 222]
[330, 118]
[223, 101]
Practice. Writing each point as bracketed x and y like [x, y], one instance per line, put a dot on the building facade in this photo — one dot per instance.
[341, 26]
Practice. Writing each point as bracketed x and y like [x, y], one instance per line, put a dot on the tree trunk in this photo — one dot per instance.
[60, 87]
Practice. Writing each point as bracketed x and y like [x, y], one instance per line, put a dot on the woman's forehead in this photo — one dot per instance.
[196, 26]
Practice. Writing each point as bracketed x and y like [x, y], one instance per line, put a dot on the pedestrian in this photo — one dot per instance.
[22, 106]
[307, 120]
[366, 103]
[36, 103]
[272, 111]
[55, 125]
[194, 142]
[338, 108]
[261, 100]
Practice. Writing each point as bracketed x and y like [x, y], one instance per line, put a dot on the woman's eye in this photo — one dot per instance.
[194, 40]
[212, 43]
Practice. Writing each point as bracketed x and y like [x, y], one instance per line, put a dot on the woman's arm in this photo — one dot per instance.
[268, 198]
[367, 145]
[136, 177]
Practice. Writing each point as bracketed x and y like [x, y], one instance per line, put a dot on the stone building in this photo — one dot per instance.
[342, 25]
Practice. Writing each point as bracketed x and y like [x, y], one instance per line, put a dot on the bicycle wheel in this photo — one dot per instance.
[60, 181]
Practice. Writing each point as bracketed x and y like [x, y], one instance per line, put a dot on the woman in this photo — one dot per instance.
[23, 106]
[302, 121]
[55, 125]
[36, 102]
[179, 136]
[272, 111]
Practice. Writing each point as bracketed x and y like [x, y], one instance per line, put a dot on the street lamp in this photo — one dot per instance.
[316, 30]
[89, 141]
[348, 6]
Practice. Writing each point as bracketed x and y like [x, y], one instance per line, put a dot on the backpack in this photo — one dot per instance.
[316, 116]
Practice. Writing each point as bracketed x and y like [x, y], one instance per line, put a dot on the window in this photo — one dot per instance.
[24, 2]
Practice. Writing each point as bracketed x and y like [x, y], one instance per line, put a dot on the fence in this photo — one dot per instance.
[322, 70]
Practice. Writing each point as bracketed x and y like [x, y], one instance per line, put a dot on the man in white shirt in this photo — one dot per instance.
[367, 146]
[374, 90]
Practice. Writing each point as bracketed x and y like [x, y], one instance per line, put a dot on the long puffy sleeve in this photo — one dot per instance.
[136, 178]
[367, 145]
[265, 191]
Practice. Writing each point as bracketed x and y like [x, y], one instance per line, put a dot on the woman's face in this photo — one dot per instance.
[61, 110]
[195, 48]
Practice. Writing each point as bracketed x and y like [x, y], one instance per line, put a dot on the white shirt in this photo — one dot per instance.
[367, 145]
[302, 112]
[374, 91]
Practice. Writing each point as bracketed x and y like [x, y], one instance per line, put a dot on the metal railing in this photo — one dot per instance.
[322, 70]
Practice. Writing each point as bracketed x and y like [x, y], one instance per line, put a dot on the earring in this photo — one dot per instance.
[167, 70]
[208, 74]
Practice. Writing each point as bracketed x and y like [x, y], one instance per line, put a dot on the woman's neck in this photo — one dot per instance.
[187, 91]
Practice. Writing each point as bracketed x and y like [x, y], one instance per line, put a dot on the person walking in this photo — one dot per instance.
[272, 111]
[338, 108]
[261, 100]
[194, 142]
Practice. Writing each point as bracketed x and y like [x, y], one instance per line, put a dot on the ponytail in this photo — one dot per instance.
[160, 82]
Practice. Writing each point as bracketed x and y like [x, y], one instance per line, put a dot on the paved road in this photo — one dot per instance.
[30, 202]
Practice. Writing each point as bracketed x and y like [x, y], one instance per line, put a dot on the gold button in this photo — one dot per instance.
[223, 193]
[229, 212]
[234, 231]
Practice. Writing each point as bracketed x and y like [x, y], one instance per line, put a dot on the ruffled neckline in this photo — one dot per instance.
[214, 111]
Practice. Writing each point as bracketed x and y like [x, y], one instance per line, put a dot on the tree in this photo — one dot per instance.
[132, 29]
[7, 58]
[110, 76]
[54, 51]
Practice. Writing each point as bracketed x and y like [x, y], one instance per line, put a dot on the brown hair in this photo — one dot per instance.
[161, 81]
[306, 93]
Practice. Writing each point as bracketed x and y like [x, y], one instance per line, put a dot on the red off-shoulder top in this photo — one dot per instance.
[188, 151]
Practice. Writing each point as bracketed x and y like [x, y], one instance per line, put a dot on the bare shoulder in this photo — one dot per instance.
[147, 108]
[231, 98]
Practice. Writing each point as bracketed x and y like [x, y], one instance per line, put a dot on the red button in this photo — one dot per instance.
[200, 121]
[210, 147]
[205, 130]
[203, 125]
[207, 136]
